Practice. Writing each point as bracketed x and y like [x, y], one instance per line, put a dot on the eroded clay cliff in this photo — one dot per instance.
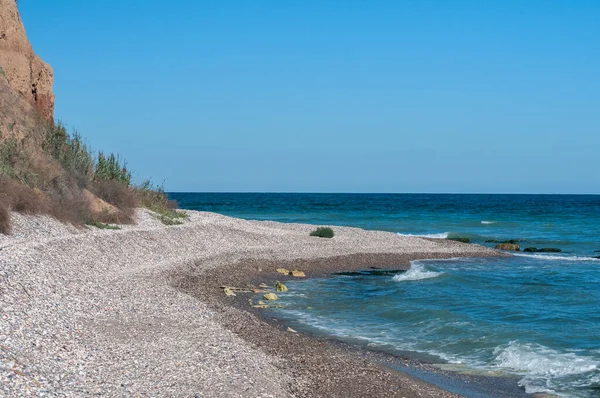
[22, 69]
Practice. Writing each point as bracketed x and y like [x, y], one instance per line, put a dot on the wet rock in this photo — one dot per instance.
[280, 287]
[531, 249]
[508, 247]
[270, 297]
[462, 240]
[283, 271]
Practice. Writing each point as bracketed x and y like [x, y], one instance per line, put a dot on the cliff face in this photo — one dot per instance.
[24, 72]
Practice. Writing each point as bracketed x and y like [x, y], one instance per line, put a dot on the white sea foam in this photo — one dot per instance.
[541, 365]
[535, 359]
[416, 272]
[442, 235]
[488, 222]
[553, 257]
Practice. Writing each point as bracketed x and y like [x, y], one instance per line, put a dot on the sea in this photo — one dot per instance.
[533, 316]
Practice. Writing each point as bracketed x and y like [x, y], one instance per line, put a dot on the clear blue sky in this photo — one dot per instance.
[333, 96]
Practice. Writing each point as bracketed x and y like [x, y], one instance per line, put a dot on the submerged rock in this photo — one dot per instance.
[512, 241]
[270, 297]
[462, 240]
[542, 250]
[280, 287]
[491, 241]
[508, 246]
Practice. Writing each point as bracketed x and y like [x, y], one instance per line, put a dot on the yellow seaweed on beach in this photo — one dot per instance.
[228, 291]
[298, 274]
[283, 271]
[270, 296]
[260, 306]
[280, 287]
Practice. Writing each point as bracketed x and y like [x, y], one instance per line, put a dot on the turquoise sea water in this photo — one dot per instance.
[536, 316]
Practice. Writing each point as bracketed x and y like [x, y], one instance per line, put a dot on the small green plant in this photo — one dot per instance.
[323, 232]
[2, 72]
[167, 220]
[154, 198]
[101, 225]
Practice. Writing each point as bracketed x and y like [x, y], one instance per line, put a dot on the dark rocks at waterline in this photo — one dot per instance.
[462, 240]
[508, 247]
[542, 250]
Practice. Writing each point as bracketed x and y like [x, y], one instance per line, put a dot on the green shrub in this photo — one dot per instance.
[71, 152]
[154, 198]
[101, 225]
[112, 168]
[323, 232]
[8, 152]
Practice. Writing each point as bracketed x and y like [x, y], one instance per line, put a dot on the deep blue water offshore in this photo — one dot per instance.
[536, 316]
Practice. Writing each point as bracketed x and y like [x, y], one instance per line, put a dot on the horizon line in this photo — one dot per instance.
[382, 193]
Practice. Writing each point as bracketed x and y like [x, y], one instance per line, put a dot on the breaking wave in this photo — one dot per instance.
[542, 367]
[442, 235]
[416, 272]
[557, 258]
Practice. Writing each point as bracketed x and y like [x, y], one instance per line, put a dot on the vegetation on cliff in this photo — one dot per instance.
[57, 173]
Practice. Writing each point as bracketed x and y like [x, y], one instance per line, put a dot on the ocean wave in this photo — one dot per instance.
[442, 235]
[416, 272]
[553, 257]
[540, 366]
[488, 222]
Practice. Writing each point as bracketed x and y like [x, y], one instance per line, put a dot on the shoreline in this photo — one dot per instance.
[360, 370]
[103, 313]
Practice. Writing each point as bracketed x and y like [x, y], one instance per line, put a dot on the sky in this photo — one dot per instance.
[330, 95]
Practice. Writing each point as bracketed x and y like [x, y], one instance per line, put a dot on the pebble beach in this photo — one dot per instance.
[139, 311]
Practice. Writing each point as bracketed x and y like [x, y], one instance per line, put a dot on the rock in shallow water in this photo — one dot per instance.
[280, 287]
[270, 296]
[508, 246]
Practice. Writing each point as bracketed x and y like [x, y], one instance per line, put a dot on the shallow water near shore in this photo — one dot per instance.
[497, 316]
[531, 315]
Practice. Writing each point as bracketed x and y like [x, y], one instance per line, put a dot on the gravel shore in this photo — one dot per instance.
[138, 311]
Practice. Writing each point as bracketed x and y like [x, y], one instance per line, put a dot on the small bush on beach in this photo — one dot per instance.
[323, 232]
[101, 225]
[154, 198]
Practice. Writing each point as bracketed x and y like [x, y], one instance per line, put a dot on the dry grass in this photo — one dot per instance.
[5, 226]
